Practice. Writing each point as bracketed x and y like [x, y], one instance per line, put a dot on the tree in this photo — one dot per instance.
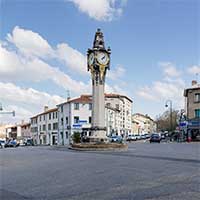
[163, 121]
[76, 137]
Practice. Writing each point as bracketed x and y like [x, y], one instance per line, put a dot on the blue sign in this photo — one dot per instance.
[77, 125]
[194, 124]
[183, 124]
[82, 121]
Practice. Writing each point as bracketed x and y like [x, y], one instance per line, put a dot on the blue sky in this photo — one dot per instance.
[155, 50]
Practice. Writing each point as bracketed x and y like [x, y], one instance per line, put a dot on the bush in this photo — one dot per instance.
[76, 137]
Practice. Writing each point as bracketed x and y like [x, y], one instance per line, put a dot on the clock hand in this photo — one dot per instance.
[102, 58]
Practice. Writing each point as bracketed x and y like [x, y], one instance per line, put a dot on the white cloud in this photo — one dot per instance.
[29, 43]
[101, 10]
[145, 93]
[25, 102]
[15, 67]
[170, 69]
[22, 59]
[116, 73]
[13, 93]
[171, 87]
[75, 60]
[194, 70]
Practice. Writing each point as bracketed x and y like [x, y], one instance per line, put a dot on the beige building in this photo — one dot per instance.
[192, 108]
[3, 128]
[192, 101]
[143, 124]
[19, 131]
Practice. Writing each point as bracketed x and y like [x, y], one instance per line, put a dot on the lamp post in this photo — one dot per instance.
[169, 103]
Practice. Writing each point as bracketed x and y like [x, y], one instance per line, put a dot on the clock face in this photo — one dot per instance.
[91, 59]
[102, 58]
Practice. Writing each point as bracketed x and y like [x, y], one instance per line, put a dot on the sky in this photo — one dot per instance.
[43, 43]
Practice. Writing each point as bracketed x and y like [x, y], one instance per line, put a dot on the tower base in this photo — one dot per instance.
[98, 135]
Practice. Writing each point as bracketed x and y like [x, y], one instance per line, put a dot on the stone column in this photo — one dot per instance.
[98, 110]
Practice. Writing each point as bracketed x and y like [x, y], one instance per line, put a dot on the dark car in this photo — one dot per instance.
[155, 138]
[11, 143]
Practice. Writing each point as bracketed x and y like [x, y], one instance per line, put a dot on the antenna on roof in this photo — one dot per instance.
[68, 95]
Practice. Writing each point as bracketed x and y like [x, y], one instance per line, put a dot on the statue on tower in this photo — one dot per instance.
[98, 60]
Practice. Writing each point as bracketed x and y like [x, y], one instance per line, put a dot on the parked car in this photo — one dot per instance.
[131, 138]
[11, 143]
[155, 138]
[138, 137]
[143, 137]
[162, 136]
[116, 138]
[29, 142]
[2, 143]
[147, 136]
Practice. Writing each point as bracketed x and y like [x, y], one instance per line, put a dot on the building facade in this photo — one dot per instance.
[19, 131]
[44, 127]
[192, 108]
[56, 126]
[142, 124]
[75, 115]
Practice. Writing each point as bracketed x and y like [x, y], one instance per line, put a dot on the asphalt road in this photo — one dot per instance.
[145, 171]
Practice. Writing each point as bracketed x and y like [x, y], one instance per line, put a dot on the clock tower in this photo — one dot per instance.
[98, 60]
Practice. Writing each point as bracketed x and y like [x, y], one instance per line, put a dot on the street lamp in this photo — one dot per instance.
[1, 108]
[169, 103]
[6, 112]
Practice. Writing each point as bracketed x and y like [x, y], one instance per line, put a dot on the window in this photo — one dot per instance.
[53, 115]
[61, 108]
[49, 126]
[56, 115]
[66, 133]
[197, 113]
[55, 126]
[66, 120]
[76, 120]
[43, 117]
[90, 106]
[40, 127]
[40, 118]
[90, 120]
[197, 97]
[49, 115]
[117, 106]
[61, 121]
[44, 127]
[76, 106]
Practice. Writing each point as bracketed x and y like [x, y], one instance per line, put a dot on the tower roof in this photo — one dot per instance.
[98, 40]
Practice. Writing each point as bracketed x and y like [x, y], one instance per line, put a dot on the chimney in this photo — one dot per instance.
[194, 82]
[22, 122]
[45, 108]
